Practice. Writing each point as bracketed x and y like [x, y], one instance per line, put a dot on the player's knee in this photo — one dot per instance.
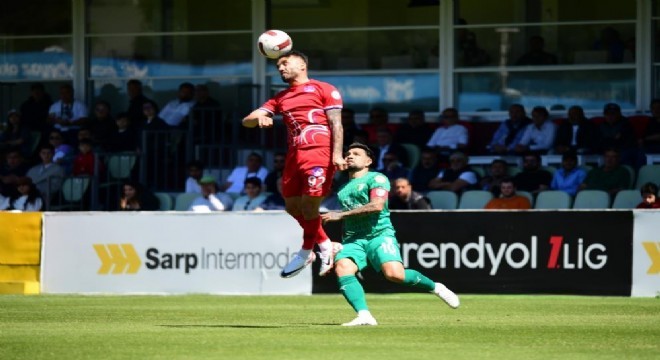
[345, 267]
[394, 275]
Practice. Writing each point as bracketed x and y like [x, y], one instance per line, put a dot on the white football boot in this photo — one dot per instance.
[327, 256]
[446, 295]
[364, 318]
[297, 264]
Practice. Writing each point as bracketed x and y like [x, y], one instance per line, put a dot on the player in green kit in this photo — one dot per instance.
[369, 237]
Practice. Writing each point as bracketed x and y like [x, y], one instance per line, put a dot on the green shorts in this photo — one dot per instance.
[376, 252]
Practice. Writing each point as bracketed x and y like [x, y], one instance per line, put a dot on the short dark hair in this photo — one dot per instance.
[253, 180]
[257, 155]
[67, 86]
[85, 142]
[357, 145]
[541, 110]
[649, 188]
[122, 115]
[508, 179]
[196, 164]
[134, 82]
[296, 53]
[569, 155]
[499, 161]
[187, 85]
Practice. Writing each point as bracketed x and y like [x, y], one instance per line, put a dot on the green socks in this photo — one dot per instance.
[353, 292]
[415, 279]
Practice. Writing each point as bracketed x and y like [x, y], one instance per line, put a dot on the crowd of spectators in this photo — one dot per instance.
[46, 141]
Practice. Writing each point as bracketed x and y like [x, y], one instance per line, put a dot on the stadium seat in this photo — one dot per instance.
[528, 195]
[627, 199]
[648, 173]
[631, 171]
[475, 199]
[443, 200]
[120, 166]
[549, 168]
[165, 201]
[592, 199]
[72, 193]
[479, 170]
[553, 199]
[183, 200]
[413, 154]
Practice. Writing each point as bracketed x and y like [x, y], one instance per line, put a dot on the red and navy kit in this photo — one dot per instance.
[309, 168]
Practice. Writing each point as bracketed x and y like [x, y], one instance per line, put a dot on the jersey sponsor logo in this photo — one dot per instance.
[317, 171]
[335, 95]
[308, 88]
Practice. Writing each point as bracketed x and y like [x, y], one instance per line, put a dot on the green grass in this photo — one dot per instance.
[412, 326]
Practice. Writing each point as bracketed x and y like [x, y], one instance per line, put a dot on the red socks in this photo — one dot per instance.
[313, 232]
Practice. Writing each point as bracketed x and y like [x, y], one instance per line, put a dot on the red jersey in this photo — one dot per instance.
[303, 108]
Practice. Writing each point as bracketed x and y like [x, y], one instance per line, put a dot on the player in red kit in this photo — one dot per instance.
[311, 110]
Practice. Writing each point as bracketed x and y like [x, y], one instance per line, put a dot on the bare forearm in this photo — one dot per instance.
[334, 118]
[369, 208]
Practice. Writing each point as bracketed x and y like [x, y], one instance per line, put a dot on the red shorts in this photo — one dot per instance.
[307, 172]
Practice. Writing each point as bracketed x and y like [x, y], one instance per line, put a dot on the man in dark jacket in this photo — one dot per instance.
[404, 198]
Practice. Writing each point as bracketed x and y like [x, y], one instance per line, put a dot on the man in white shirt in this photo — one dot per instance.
[67, 114]
[539, 136]
[451, 136]
[211, 199]
[47, 176]
[235, 181]
[177, 110]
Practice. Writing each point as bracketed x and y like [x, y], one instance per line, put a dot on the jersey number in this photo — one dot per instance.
[388, 246]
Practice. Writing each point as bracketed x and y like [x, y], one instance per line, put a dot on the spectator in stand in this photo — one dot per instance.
[378, 116]
[210, 199]
[236, 180]
[36, 108]
[458, 177]
[497, 172]
[577, 134]
[468, 52]
[47, 175]
[64, 153]
[253, 197]
[451, 136]
[125, 139]
[508, 199]
[135, 197]
[176, 111]
[510, 132]
[16, 135]
[67, 114]
[136, 101]
[11, 170]
[25, 198]
[393, 168]
[610, 41]
[532, 178]
[278, 171]
[83, 163]
[569, 177]
[404, 198]
[616, 132]
[349, 125]
[425, 171]
[649, 197]
[651, 140]
[611, 177]
[385, 144]
[274, 201]
[536, 54]
[195, 173]
[538, 136]
[415, 130]
[102, 124]
[206, 116]
[151, 119]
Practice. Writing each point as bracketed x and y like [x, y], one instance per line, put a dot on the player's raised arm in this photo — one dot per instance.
[334, 119]
[259, 117]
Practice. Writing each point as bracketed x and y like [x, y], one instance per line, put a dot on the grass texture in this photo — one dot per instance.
[411, 326]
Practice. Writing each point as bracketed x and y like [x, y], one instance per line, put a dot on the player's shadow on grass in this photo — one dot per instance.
[235, 326]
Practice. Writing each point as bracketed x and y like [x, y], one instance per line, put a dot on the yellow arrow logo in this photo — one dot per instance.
[123, 257]
[653, 249]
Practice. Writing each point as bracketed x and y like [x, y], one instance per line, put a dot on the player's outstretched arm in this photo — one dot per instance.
[259, 117]
[375, 205]
[334, 118]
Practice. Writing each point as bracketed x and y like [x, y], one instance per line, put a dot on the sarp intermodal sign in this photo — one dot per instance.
[221, 253]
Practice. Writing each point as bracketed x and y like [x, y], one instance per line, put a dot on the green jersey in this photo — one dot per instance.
[357, 193]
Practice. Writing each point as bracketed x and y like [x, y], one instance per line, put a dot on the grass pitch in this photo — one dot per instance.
[412, 326]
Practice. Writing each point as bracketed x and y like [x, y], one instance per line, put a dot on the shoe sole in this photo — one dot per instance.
[298, 270]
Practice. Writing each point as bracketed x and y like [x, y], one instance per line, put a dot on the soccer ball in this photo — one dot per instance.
[274, 43]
